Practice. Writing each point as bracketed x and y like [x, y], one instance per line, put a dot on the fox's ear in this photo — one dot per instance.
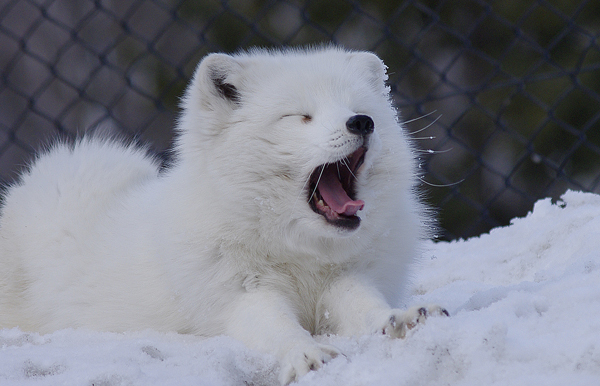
[214, 82]
[375, 68]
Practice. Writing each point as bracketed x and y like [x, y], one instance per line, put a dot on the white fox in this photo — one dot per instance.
[289, 210]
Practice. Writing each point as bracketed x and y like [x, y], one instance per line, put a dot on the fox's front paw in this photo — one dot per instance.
[399, 322]
[302, 359]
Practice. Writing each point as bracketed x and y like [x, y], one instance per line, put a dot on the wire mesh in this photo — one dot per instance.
[506, 93]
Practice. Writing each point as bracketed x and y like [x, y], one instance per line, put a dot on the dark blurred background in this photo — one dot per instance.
[507, 91]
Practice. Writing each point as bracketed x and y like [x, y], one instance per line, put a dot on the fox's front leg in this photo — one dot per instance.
[352, 306]
[264, 319]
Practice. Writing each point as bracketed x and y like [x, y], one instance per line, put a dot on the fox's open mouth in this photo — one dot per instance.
[332, 191]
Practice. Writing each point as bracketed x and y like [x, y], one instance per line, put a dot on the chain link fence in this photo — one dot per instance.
[502, 96]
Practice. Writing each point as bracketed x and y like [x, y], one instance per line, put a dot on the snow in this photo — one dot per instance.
[524, 303]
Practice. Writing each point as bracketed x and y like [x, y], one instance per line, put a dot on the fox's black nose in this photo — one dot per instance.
[360, 124]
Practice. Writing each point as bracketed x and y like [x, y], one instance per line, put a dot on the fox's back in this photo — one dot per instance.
[51, 214]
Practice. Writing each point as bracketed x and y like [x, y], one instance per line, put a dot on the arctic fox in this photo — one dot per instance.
[289, 210]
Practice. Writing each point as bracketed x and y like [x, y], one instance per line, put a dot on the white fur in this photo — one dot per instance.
[223, 242]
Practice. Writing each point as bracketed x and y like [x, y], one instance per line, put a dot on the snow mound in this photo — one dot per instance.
[524, 300]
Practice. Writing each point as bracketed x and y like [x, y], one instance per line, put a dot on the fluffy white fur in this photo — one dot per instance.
[224, 242]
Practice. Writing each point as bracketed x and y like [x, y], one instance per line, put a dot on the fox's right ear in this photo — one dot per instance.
[376, 70]
[214, 82]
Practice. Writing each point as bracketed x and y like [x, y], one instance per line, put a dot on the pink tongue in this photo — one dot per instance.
[334, 194]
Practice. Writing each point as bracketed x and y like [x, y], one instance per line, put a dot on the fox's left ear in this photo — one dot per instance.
[214, 83]
[375, 68]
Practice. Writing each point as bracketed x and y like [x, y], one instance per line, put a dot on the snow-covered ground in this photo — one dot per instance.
[524, 300]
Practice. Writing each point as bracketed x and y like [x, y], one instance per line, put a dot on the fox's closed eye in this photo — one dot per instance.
[305, 117]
